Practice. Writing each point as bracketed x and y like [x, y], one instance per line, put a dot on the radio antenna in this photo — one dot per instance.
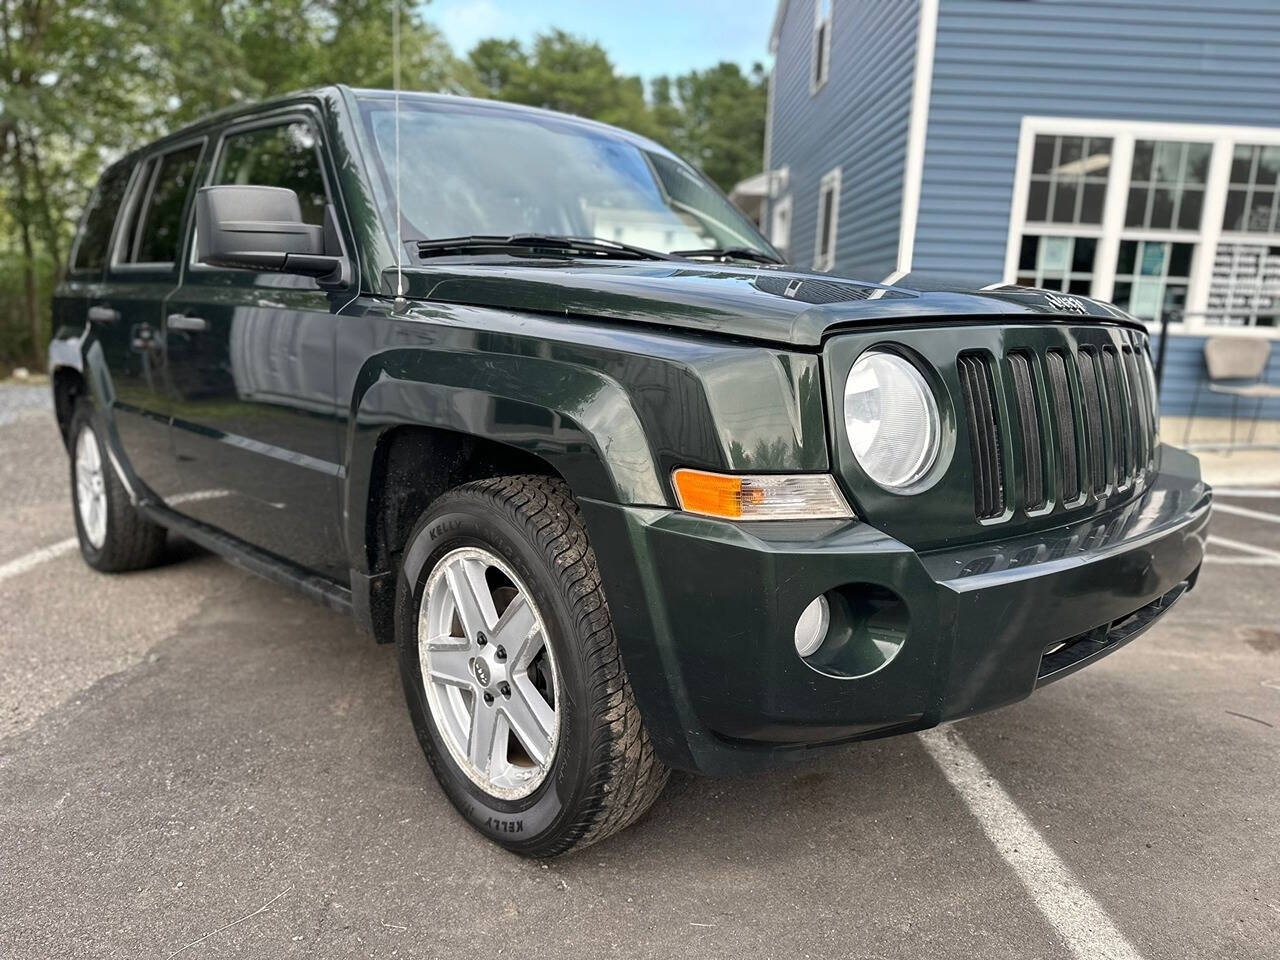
[395, 82]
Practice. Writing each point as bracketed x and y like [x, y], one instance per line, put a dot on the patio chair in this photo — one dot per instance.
[1235, 359]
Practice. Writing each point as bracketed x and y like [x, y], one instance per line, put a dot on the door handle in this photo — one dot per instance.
[103, 314]
[180, 321]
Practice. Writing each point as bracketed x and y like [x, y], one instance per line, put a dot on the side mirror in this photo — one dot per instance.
[261, 228]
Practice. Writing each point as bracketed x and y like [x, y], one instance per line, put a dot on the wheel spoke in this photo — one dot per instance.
[451, 665]
[531, 719]
[471, 595]
[517, 631]
[482, 739]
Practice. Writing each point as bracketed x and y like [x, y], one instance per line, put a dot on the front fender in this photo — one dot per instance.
[577, 419]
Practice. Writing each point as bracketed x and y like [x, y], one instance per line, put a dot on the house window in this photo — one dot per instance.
[1068, 179]
[780, 224]
[1057, 263]
[821, 44]
[1166, 185]
[1173, 222]
[1152, 277]
[824, 257]
[1252, 191]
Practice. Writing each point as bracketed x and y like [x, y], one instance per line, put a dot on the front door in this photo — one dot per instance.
[126, 320]
[256, 426]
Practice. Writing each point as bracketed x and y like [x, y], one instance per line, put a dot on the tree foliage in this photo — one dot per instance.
[714, 118]
[82, 83]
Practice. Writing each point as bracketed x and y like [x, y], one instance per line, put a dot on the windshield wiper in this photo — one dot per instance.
[728, 253]
[536, 244]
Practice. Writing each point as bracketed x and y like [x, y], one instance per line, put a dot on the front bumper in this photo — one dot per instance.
[705, 612]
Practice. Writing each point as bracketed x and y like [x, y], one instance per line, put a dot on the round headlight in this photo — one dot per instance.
[892, 419]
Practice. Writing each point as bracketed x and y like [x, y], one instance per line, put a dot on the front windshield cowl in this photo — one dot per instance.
[470, 169]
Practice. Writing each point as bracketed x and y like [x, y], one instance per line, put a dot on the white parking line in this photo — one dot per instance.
[1243, 547]
[1079, 919]
[35, 558]
[1263, 492]
[1246, 512]
[1243, 561]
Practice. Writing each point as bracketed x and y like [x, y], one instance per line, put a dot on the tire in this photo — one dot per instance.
[598, 772]
[114, 536]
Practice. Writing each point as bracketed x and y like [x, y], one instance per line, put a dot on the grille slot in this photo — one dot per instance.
[1029, 419]
[1138, 361]
[1095, 441]
[1138, 418]
[1148, 375]
[1064, 419]
[984, 434]
[1120, 440]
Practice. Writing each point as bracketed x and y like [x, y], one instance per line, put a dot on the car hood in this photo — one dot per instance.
[773, 304]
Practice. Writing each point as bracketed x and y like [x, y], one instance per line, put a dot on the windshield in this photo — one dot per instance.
[481, 171]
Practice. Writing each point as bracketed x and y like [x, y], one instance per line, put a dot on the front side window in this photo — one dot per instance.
[160, 230]
[1152, 278]
[828, 221]
[469, 171]
[99, 219]
[1251, 195]
[282, 155]
[1166, 186]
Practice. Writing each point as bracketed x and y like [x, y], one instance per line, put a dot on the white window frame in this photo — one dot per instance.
[780, 224]
[830, 182]
[818, 81]
[1123, 134]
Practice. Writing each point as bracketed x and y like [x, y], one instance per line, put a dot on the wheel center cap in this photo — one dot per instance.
[481, 670]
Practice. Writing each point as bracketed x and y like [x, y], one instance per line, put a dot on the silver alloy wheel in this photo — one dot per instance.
[489, 673]
[91, 488]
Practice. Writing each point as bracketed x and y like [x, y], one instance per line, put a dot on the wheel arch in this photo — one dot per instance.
[68, 386]
[424, 421]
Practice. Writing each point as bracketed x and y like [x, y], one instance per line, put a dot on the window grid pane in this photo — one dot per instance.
[1057, 263]
[1152, 278]
[1166, 187]
[1068, 179]
[1253, 200]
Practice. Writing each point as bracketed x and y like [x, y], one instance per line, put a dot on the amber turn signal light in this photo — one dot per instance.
[804, 496]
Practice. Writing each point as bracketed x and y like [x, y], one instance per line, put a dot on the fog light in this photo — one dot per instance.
[811, 628]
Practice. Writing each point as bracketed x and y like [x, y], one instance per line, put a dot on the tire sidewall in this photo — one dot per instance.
[532, 821]
[83, 420]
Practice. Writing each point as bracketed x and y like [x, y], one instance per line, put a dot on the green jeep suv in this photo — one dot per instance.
[529, 398]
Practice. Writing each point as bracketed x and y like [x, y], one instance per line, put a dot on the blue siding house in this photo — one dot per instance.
[1123, 149]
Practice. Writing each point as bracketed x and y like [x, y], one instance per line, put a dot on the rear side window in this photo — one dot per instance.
[161, 229]
[283, 155]
[100, 217]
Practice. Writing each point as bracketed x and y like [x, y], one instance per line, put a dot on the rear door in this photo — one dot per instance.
[256, 425]
[127, 319]
[83, 286]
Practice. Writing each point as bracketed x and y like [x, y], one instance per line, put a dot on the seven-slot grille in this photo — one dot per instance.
[1083, 423]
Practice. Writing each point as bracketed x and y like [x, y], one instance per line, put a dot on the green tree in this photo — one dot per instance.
[247, 51]
[566, 73]
[81, 83]
[715, 118]
[69, 96]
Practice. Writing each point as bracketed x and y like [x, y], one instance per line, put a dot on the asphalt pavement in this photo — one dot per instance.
[197, 763]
